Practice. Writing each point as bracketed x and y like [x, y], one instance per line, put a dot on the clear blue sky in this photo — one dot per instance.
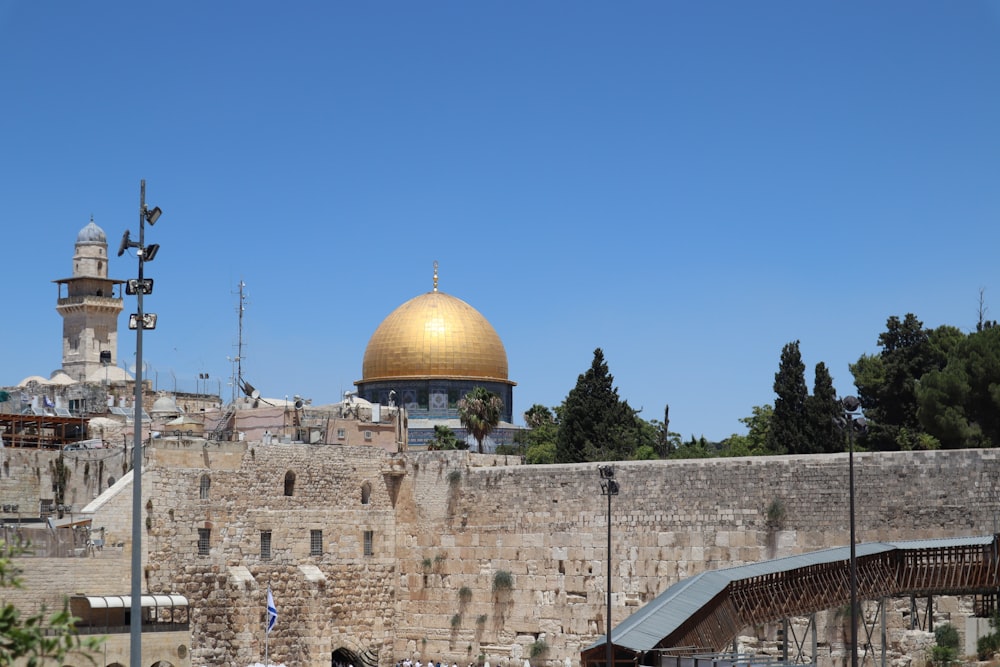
[688, 186]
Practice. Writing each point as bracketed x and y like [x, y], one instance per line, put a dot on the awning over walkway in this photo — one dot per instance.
[125, 601]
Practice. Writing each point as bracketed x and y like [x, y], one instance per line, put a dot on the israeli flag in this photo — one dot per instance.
[272, 612]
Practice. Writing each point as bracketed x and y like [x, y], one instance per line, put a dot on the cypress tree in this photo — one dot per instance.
[790, 423]
[823, 410]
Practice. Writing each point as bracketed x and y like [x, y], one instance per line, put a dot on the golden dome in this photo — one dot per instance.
[435, 335]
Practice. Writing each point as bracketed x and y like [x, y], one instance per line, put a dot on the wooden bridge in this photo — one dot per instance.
[705, 613]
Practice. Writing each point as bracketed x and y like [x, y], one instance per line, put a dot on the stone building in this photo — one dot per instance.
[426, 355]
[90, 382]
[89, 303]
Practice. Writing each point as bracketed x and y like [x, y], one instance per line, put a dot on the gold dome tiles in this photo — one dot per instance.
[435, 335]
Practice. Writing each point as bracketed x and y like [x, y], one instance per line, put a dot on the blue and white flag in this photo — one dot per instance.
[272, 612]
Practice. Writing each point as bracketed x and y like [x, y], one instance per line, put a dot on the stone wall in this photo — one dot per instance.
[444, 524]
[547, 526]
[28, 477]
[337, 595]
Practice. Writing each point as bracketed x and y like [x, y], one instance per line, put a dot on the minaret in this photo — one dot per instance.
[89, 307]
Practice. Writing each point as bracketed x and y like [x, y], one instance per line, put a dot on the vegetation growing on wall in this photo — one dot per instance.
[945, 651]
[503, 581]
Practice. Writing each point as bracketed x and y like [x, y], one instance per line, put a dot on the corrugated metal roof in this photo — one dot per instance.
[644, 629]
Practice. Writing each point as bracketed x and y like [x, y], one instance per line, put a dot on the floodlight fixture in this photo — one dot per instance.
[148, 321]
[133, 286]
[607, 472]
[149, 252]
[152, 215]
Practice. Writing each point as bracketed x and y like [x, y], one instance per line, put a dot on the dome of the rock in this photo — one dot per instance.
[428, 354]
[435, 335]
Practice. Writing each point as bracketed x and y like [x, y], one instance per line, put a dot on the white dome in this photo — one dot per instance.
[91, 234]
[60, 377]
[165, 405]
[111, 374]
[37, 379]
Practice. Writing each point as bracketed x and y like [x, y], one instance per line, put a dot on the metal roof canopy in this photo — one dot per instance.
[690, 609]
[125, 601]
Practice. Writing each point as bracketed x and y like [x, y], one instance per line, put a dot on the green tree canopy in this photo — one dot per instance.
[887, 382]
[755, 442]
[595, 425]
[960, 404]
[538, 441]
[444, 438]
[479, 411]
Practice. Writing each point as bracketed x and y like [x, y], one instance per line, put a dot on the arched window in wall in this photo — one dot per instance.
[206, 484]
[366, 493]
[289, 483]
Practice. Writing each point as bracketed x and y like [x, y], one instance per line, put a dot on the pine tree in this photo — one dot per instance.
[595, 425]
[887, 382]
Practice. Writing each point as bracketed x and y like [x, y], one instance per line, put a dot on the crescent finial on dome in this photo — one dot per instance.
[435, 275]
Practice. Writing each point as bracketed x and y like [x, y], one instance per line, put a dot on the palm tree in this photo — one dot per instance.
[479, 412]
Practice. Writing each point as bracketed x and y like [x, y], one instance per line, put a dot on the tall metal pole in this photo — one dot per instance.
[135, 619]
[852, 422]
[610, 651]
[854, 558]
[609, 487]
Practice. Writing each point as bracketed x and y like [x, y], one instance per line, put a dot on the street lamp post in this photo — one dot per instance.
[609, 487]
[138, 321]
[850, 422]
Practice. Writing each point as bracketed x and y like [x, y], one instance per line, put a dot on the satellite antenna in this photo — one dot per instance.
[250, 391]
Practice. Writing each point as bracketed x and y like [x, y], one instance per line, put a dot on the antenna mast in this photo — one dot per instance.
[238, 379]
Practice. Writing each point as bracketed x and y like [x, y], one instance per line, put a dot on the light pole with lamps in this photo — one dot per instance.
[138, 321]
[609, 487]
[852, 422]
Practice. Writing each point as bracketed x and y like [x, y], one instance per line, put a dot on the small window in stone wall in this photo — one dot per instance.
[206, 483]
[369, 539]
[366, 493]
[289, 483]
[315, 542]
[341, 433]
[204, 541]
[265, 545]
